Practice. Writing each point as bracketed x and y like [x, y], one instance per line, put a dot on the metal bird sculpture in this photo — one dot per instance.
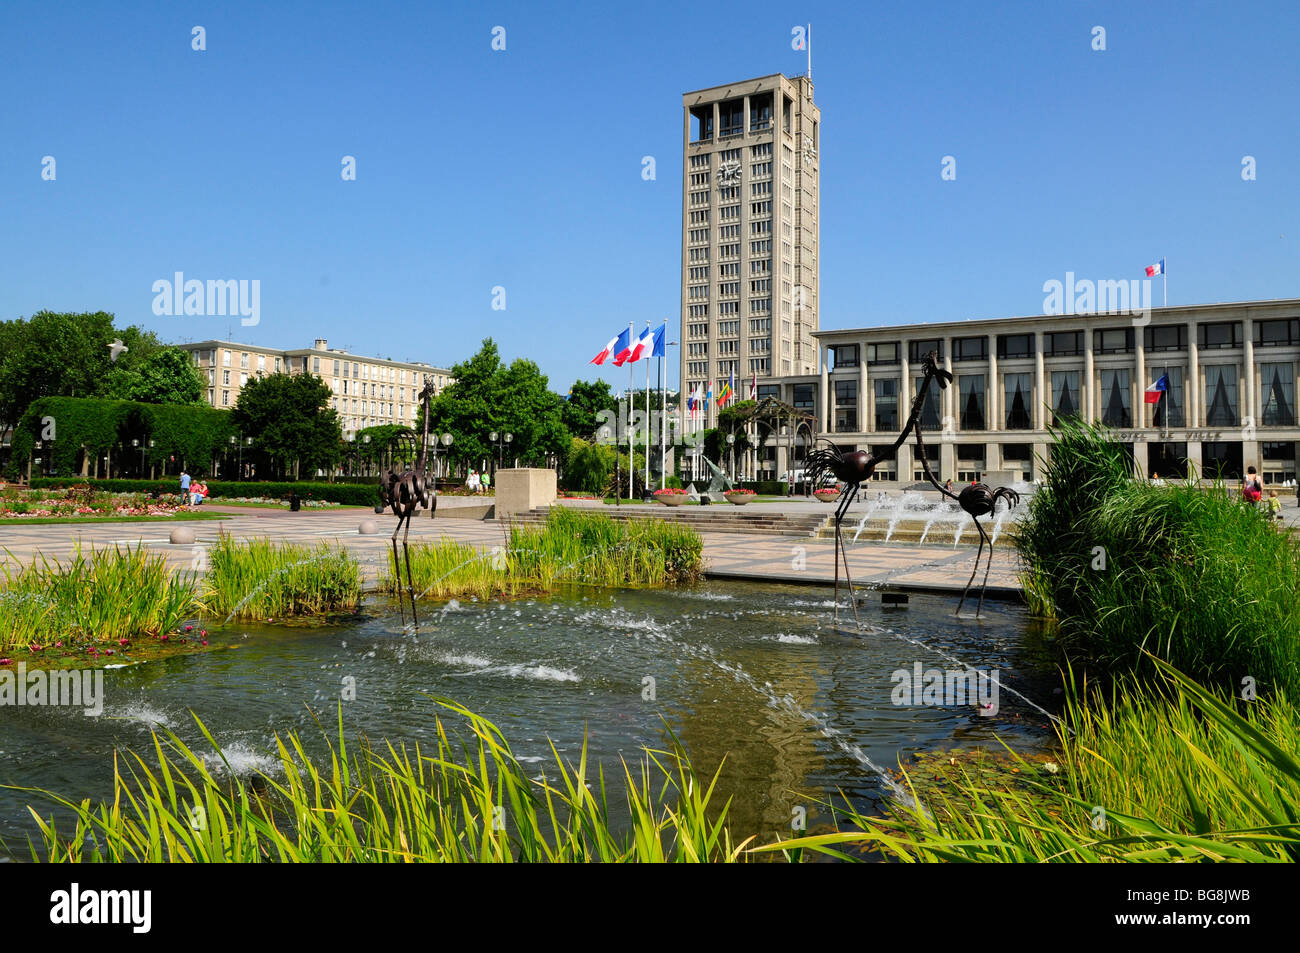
[405, 492]
[977, 499]
[855, 468]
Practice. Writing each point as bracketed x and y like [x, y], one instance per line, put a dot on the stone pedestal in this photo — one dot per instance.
[521, 489]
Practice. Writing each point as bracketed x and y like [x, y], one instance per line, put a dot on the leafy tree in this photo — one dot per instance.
[165, 376]
[588, 466]
[488, 396]
[52, 355]
[584, 403]
[290, 419]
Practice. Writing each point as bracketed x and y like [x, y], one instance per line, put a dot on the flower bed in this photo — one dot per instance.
[671, 496]
[827, 494]
[739, 496]
[16, 504]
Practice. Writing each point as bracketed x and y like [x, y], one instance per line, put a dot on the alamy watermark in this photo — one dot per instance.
[219, 297]
[77, 688]
[946, 688]
[1105, 296]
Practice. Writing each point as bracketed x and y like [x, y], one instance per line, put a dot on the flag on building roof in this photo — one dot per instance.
[616, 344]
[1157, 269]
[1153, 393]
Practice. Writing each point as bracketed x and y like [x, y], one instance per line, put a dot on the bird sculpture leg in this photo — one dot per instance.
[853, 597]
[978, 553]
[839, 545]
[410, 587]
[987, 569]
[397, 569]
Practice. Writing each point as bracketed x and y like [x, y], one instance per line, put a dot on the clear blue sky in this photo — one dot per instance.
[522, 168]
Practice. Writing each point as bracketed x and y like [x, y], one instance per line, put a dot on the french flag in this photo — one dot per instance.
[1152, 393]
[642, 348]
[615, 345]
[1157, 269]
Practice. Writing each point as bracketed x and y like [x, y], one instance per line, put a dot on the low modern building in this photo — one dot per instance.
[1229, 404]
[368, 391]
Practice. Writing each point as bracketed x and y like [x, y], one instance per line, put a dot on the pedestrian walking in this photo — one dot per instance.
[1251, 489]
[486, 481]
[185, 486]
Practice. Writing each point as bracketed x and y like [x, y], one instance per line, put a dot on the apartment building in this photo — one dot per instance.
[368, 391]
[1230, 402]
[750, 188]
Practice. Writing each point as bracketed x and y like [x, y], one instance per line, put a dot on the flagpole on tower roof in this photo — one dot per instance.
[810, 52]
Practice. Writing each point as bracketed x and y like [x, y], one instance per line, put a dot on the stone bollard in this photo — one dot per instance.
[368, 528]
[182, 536]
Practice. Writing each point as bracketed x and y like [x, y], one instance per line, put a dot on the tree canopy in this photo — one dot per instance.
[489, 396]
[585, 401]
[290, 419]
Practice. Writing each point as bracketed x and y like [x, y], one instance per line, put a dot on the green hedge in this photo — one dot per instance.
[766, 487]
[349, 494]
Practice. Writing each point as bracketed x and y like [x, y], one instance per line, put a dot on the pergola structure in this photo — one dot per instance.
[773, 422]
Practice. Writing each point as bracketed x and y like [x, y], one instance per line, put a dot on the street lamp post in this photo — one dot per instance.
[731, 451]
[500, 441]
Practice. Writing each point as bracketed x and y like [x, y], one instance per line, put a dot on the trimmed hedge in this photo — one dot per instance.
[766, 487]
[349, 494]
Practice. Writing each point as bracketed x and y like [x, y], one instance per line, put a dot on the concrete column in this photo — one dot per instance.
[949, 402]
[1140, 365]
[1250, 414]
[1192, 391]
[994, 402]
[862, 390]
[1141, 459]
[1089, 388]
[1042, 396]
[824, 401]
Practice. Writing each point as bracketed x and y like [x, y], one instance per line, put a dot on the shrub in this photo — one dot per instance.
[347, 494]
[1191, 575]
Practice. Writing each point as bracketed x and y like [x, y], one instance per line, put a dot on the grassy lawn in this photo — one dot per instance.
[283, 505]
[48, 520]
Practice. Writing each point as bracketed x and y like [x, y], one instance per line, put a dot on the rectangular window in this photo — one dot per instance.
[1066, 400]
[1277, 333]
[1116, 401]
[929, 419]
[1113, 341]
[1019, 399]
[970, 390]
[1015, 346]
[1221, 395]
[1063, 344]
[1167, 338]
[803, 398]
[1168, 410]
[1277, 393]
[315, 365]
[1278, 461]
[886, 403]
[970, 349]
[846, 406]
[918, 349]
[844, 355]
[882, 353]
[1219, 335]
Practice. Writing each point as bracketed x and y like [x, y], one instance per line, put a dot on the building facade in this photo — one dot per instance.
[368, 391]
[1230, 403]
[749, 232]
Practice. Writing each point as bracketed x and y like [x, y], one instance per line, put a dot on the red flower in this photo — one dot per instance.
[6, 661]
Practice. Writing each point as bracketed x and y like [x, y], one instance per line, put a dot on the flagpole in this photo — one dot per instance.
[631, 405]
[647, 414]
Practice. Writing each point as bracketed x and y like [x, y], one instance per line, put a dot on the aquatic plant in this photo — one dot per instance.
[261, 579]
[459, 802]
[1227, 789]
[1185, 572]
[571, 547]
[108, 595]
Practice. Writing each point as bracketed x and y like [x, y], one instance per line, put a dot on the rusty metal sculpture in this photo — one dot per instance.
[977, 499]
[853, 469]
[406, 492]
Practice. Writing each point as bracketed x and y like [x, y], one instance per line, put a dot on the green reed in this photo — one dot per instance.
[110, 594]
[460, 801]
[259, 579]
[1172, 776]
[571, 547]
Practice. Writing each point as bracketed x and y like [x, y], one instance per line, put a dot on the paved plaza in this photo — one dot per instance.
[795, 559]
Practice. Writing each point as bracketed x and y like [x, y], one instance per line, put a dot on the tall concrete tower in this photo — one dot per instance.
[750, 161]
